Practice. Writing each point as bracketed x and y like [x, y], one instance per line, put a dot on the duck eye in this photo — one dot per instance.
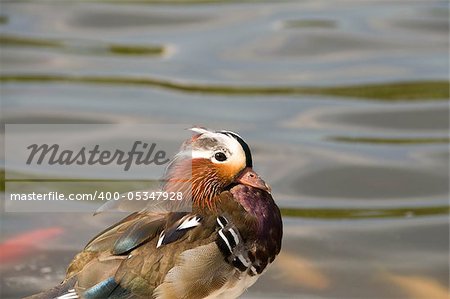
[219, 156]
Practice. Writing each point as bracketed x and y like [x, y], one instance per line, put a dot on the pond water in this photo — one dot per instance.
[345, 105]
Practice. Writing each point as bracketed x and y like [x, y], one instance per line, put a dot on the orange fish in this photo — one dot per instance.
[22, 244]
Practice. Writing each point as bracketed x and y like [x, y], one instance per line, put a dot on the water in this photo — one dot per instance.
[345, 105]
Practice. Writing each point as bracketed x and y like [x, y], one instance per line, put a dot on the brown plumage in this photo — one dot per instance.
[215, 251]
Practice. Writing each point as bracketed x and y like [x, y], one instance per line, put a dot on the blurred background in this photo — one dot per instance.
[344, 103]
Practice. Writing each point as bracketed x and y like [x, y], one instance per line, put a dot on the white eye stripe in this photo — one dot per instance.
[204, 153]
[196, 154]
[210, 155]
[222, 143]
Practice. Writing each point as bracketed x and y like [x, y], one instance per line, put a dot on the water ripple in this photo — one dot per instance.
[392, 91]
[81, 46]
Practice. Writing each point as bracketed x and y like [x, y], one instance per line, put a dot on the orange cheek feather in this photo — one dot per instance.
[223, 172]
[228, 171]
[207, 179]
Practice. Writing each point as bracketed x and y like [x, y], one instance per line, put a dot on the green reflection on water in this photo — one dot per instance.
[69, 184]
[2, 180]
[9, 40]
[309, 24]
[135, 50]
[3, 20]
[395, 91]
[392, 141]
[83, 47]
[364, 213]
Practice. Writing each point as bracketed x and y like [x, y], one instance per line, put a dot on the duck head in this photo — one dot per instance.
[212, 162]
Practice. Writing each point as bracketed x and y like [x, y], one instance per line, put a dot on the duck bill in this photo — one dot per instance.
[250, 178]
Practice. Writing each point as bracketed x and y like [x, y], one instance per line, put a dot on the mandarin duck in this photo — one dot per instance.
[217, 250]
